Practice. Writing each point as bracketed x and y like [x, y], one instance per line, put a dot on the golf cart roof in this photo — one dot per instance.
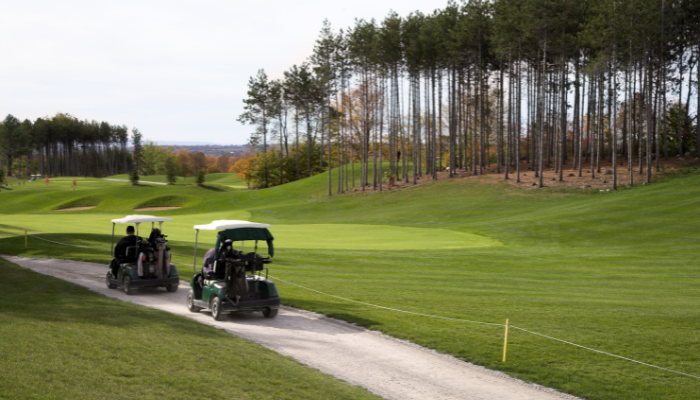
[226, 224]
[137, 219]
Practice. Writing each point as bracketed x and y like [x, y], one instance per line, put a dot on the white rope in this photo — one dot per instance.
[388, 308]
[66, 244]
[490, 323]
[604, 352]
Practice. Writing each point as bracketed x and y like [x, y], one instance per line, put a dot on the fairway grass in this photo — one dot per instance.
[60, 340]
[615, 271]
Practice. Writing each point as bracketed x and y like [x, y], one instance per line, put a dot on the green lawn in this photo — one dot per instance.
[616, 271]
[62, 341]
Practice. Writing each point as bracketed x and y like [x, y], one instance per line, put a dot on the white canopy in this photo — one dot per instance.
[224, 224]
[137, 219]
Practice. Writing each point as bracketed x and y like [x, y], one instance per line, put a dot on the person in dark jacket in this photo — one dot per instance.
[127, 241]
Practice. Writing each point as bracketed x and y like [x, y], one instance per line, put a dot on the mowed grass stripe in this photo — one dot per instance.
[59, 340]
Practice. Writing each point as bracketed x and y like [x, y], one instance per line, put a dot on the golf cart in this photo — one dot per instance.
[222, 284]
[145, 263]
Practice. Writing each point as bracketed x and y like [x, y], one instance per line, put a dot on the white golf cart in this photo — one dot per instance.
[142, 263]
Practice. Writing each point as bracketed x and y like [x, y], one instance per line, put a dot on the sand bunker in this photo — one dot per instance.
[155, 208]
[75, 208]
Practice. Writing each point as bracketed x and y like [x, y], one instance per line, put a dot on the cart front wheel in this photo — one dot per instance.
[269, 312]
[190, 303]
[127, 285]
[216, 309]
[171, 288]
[108, 279]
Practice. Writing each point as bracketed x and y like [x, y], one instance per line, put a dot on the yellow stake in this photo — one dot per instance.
[505, 342]
[25, 239]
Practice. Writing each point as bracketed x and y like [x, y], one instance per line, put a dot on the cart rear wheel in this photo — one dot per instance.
[216, 309]
[190, 303]
[127, 285]
[269, 312]
[171, 288]
[108, 280]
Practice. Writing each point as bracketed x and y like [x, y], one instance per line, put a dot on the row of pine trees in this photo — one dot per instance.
[63, 145]
[481, 84]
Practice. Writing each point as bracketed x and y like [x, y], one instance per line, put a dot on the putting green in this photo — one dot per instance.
[374, 237]
[78, 222]
[301, 236]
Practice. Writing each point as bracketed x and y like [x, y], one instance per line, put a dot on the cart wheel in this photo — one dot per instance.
[171, 288]
[216, 309]
[269, 312]
[108, 279]
[127, 285]
[190, 303]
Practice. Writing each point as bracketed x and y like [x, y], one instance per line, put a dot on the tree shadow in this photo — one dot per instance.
[62, 302]
[17, 228]
[212, 188]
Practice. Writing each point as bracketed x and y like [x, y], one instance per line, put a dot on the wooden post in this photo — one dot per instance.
[505, 342]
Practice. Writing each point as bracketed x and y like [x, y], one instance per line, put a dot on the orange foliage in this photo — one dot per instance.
[241, 167]
[189, 163]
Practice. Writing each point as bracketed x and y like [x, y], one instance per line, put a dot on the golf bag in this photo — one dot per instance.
[234, 276]
[154, 257]
[236, 283]
[162, 257]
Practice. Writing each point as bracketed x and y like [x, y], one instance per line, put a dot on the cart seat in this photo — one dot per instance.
[130, 254]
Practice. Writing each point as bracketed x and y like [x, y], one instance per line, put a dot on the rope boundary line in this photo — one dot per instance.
[389, 308]
[66, 244]
[605, 352]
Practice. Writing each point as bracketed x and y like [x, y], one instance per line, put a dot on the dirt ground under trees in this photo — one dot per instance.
[603, 180]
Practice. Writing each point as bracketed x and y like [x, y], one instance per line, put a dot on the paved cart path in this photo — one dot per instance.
[387, 367]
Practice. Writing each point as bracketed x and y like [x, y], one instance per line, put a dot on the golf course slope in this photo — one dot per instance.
[612, 271]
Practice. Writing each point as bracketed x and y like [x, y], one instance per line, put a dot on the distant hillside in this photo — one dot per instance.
[208, 149]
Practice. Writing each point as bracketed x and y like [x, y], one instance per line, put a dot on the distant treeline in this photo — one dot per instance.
[64, 145]
[481, 84]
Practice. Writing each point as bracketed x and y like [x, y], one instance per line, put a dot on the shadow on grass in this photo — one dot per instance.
[55, 301]
[212, 188]
[78, 247]
[17, 228]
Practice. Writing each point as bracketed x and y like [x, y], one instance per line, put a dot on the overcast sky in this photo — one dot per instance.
[177, 70]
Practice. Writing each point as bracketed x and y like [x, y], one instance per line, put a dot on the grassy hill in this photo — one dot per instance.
[615, 271]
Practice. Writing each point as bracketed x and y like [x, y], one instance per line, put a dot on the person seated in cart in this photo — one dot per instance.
[127, 241]
[209, 260]
[120, 251]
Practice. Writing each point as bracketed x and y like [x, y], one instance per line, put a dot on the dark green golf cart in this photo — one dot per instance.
[231, 280]
[143, 263]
